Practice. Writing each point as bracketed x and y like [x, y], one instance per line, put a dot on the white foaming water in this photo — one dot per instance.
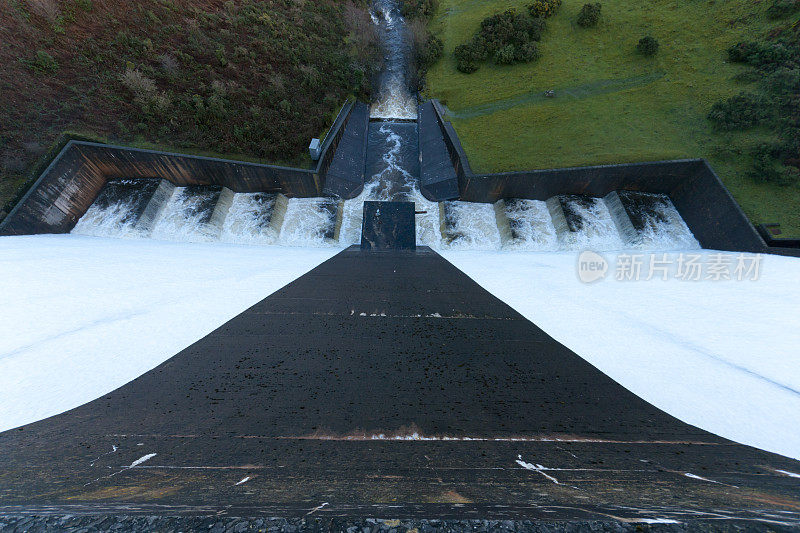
[584, 223]
[395, 102]
[381, 188]
[250, 219]
[469, 226]
[188, 216]
[112, 221]
[310, 222]
[530, 226]
[124, 209]
[429, 226]
[666, 230]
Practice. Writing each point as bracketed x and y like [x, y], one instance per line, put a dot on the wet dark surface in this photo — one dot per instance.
[388, 226]
[293, 393]
[345, 177]
[393, 158]
[644, 209]
[569, 204]
[205, 198]
[130, 196]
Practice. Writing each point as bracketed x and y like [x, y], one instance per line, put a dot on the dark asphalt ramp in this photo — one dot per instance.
[291, 393]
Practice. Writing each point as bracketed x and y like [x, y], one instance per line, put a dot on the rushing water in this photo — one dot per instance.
[395, 99]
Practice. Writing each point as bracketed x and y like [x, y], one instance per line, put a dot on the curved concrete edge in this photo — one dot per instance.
[73, 179]
[708, 208]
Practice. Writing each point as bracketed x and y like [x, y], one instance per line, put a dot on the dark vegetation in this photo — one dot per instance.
[544, 8]
[427, 47]
[773, 103]
[647, 46]
[419, 9]
[783, 8]
[249, 79]
[505, 38]
[589, 15]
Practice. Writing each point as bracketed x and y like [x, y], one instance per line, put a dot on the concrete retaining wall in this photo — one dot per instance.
[70, 184]
[705, 204]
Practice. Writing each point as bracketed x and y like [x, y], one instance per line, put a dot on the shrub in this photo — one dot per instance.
[432, 51]
[766, 168]
[648, 46]
[467, 66]
[137, 83]
[506, 37]
[738, 112]
[468, 56]
[742, 51]
[589, 15]
[527, 52]
[509, 27]
[43, 62]
[765, 55]
[424, 9]
[544, 8]
[505, 56]
[782, 8]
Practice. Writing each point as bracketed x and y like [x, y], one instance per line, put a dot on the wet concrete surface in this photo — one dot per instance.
[295, 403]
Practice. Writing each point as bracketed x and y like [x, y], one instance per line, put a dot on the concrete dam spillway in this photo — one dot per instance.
[352, 384]
[155, 209]
[391, 171]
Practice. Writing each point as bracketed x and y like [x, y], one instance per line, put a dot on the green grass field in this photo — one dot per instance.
[612, 105]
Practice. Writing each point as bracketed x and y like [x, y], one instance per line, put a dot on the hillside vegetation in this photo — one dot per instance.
[612, 103]
[249, 79]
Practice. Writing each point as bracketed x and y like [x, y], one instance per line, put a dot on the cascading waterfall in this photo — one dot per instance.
[311, 222]
[526, 225]
[393, 164]
[193, 214]
[157, 209]
[254, 218]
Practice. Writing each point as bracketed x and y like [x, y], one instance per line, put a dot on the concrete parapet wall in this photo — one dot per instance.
[70, 184]
[705, 204]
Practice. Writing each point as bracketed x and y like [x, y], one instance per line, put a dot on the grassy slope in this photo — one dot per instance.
[229, 67]
[662, 119]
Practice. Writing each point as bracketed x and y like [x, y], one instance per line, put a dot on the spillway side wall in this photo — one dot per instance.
[67, 188]
[708, 208]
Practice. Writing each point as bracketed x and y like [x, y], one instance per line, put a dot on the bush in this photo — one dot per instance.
[589, 15]
[648, 46]
[766, 168]
[43, 62]
[432, 52]
[783, 8]
[469, 56]
[424, 9]
[765, 55]
[527, 52]
[505, 56]
[467, 66]
[544, 8]
[738, 112]
[506, 37]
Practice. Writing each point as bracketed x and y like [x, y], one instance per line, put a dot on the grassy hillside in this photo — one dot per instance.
[612, 105]
[246, 78]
